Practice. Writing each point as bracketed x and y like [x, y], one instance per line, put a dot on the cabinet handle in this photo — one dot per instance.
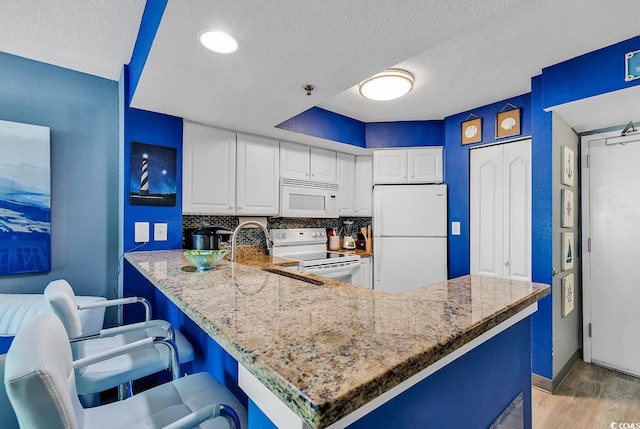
[506, 263]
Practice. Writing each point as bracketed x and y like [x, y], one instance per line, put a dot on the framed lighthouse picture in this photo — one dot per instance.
[152, 181]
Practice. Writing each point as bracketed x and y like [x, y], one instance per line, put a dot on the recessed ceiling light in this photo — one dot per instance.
[388, 85]
[219, 42]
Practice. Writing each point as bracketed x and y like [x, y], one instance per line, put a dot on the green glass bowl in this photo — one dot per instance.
[204, 259]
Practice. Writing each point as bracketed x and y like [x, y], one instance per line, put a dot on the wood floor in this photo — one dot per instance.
[590, 397]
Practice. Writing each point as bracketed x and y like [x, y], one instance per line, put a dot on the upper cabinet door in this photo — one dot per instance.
[346, 184]
[257, 187]
[413, 165]
[364, 186]
[390, 166]
[209, 170]
[425, 165]
[323, 165]
[294, 161]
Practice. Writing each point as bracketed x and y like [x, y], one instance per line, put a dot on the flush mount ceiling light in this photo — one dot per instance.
[388, 85]
[219, 42]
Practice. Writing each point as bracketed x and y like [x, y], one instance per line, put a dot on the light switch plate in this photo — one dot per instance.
[455, 228]
[141, 232]
[159, 232]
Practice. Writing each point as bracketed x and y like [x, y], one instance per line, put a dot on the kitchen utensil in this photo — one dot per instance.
[369, 241]
[204, 259]
[334, 242]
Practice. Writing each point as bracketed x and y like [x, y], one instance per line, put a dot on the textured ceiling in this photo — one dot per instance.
[464, 54]
[91, 36]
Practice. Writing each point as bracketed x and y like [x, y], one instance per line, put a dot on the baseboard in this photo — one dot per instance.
[549, 385]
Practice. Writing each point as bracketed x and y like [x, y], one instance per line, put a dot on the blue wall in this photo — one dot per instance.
[541, 230]
[591, 74]
[328, 125]
[151, 17]
[404, 134]
[156, 129]
[324, 124]
[82, 112]
[456, 171]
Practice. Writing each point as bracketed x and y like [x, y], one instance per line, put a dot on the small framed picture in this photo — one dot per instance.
[568, 294]
[508, 123]
[568, 166]
[568, 251]
[472, 131]
[567, 208]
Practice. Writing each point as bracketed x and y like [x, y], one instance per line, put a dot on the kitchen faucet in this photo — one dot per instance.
[242, 225]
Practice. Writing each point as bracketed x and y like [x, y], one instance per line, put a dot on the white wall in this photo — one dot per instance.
[566, 331]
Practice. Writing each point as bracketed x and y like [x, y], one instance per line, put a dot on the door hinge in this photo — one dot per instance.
[589, 244]
[589, 330]
[588, 160]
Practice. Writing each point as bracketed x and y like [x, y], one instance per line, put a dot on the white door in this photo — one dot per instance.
[364, 186]
[405, 263]
[410, 210]
[611, 220]
[389, 166]
[500, 210]
[323, 165]
[258, 174]
[294, 161]
[346, 184]
[425, 165]
[209, 170]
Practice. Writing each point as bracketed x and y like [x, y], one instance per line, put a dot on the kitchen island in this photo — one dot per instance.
[336, 354]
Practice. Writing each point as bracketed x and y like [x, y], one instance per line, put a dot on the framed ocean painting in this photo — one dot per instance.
[25, 198]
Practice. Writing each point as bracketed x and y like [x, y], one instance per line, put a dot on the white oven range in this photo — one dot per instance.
[309, 247]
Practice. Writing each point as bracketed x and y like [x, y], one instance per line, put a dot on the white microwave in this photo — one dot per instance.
[301, 198]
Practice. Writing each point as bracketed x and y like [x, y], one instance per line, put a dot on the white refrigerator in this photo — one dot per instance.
[409, 236]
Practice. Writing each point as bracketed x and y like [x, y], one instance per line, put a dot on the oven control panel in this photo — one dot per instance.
[298, 236]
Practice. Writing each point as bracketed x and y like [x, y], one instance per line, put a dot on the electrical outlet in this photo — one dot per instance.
[455, 228]
[141, 232]
[159, 232]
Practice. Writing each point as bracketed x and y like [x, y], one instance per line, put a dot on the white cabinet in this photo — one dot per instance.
[209, 170]
[415, 165]
[294, 161]
[364, 277]
[258, 172]
[346, 184]
[323, 165]
[307, 163]
[500, 210]
[362, 201]
[225, 174]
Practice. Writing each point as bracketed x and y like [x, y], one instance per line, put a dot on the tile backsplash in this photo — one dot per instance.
[254, 236]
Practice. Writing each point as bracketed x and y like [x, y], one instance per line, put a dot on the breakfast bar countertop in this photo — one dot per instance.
[327, 349]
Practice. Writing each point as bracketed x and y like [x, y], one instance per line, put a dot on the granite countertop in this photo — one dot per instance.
[326, 350]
